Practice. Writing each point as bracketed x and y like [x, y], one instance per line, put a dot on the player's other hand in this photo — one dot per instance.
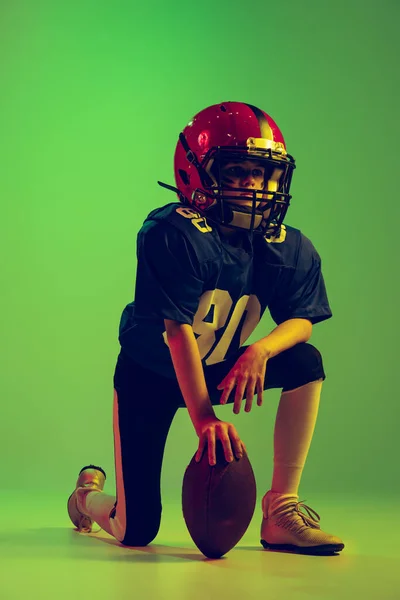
[247, 375]
[211, 429]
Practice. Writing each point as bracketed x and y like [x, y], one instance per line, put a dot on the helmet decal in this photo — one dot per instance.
[265, 128]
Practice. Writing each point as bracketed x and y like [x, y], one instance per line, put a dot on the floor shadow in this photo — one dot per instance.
[61, 542]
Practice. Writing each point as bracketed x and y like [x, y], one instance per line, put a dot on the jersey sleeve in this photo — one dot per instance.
[169, 281]
[302, 292]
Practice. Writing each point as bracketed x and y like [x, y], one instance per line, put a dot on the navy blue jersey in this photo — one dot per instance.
[188, 273]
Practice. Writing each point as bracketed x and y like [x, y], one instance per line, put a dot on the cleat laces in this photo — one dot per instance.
[291, 518]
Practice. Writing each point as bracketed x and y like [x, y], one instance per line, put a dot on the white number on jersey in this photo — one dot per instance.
[218, 304]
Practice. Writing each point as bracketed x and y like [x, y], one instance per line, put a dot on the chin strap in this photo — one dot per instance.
[173, 189]
[192, 158]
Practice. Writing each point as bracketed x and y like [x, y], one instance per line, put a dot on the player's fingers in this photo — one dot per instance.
[241, 384]
[225, 394]
[200, 449]
[260, 385]
[251, 384]
[221, 385]
[236, 442]
[226, 443]
[211, 446]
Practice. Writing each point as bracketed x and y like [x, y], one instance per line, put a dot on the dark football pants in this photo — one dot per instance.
[144, 406]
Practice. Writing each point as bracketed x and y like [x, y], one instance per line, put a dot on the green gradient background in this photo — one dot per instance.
[93, 99]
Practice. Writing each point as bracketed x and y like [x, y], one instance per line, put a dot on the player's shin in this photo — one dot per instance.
[294, 428]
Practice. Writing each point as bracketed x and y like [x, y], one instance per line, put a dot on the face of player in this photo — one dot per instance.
[243, 174]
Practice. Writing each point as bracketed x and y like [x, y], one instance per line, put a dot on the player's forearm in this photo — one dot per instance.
[284, 336]
[190, 374]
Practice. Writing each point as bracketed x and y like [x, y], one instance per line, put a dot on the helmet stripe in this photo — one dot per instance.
[265, 129]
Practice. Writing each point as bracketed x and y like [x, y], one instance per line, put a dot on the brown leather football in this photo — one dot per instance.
[218, 501]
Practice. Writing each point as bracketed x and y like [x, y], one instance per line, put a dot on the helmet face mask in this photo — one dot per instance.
[238, 133]
[221, 202]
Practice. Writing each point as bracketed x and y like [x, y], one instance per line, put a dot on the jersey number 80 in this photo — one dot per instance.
[217, 305]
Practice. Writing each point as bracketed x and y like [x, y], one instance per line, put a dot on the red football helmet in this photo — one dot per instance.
[232, 132]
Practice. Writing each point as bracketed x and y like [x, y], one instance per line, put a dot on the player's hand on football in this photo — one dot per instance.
[248, 374]
[212, 429]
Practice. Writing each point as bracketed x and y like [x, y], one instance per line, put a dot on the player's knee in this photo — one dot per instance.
[141, 535]
[308, 356]
[305, 365]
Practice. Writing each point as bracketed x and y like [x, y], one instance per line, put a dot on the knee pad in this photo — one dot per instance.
[304, 364]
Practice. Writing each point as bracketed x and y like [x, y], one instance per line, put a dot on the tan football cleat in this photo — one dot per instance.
[91, 478]
[284, 527]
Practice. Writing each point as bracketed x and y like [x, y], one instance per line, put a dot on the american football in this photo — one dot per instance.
[218, 502]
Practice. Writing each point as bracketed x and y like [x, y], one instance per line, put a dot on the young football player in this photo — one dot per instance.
[208, 267]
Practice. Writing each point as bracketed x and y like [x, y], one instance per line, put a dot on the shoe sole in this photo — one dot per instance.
[319, 550]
